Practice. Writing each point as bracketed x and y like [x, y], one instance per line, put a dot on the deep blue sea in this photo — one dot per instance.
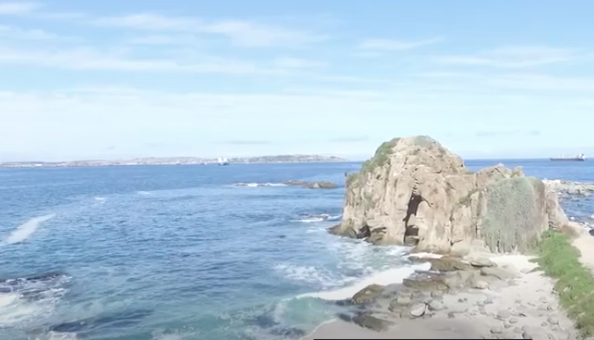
[179, 252]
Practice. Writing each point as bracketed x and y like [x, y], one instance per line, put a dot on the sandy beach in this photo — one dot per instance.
[525, 307]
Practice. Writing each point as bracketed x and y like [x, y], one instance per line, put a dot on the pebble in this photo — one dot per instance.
[496, 330]
[514, 320]
[503, 314]
[451, 315]
[403, 300]
[418, 310]
[552, 320]
[480, 284]
[437, 293]
[436, 305]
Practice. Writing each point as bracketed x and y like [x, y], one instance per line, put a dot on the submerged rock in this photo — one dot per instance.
[416, 192]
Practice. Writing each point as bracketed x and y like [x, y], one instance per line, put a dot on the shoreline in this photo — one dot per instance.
[520, 308]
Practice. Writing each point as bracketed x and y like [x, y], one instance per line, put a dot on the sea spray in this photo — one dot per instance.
[25, 230]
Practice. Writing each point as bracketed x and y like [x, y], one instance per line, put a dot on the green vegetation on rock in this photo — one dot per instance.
[425, 141]
[381, 156]
[575, 283]
[508, 223]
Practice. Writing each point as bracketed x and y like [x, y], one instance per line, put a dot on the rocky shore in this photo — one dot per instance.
[477, 233]
[502, 297]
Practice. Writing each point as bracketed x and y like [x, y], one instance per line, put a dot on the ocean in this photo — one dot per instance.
[179, 252]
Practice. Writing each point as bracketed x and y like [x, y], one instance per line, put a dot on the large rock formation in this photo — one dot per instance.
[416, 192]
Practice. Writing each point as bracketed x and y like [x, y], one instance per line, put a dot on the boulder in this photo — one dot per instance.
[414, 191]
[367, 294]
[370, 321]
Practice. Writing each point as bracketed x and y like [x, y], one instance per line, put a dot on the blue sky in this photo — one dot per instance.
[110, 79]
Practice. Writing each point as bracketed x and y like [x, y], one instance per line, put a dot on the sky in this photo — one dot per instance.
[118, 79]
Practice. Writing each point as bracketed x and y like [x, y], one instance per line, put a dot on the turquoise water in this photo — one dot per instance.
[178, 252]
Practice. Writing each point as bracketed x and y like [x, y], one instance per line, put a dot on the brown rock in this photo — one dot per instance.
[367, 320]
[367, 294]
[447, 263]
[416, 191]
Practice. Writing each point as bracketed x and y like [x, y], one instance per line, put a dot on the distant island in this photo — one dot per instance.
[176, 161]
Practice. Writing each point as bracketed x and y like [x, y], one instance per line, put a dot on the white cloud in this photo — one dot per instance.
[242, 33]
[298, 63]
[542, 82]
[512, 57]
[151, 22]
[13, 33]
[18, 8]
[84, 58]
[395, 45]
[166, 39]
[253, 34]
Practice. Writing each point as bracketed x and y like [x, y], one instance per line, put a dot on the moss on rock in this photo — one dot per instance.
[513, 209]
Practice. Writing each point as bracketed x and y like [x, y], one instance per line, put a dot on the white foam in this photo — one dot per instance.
[14, 310]
[319, 218]
[25, 230]
[310, 220]
[56, 336]
[426, 255]
[391, 276]
[254, 184]
[309, 274]
[144, 193]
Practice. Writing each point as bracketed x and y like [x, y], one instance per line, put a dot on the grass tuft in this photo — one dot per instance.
[559, 259]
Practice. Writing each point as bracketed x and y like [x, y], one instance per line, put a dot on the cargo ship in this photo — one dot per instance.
[579, 158]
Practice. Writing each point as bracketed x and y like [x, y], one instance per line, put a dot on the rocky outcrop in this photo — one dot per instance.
[311, 185]
[570, 188]
[416, 192]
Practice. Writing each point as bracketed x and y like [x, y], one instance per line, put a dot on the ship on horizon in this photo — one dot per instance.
[579, 158]
[223, 161]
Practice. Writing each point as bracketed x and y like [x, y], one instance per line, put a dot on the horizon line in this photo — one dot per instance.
[342, 159]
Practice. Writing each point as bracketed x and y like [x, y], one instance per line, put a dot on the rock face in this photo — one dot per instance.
[416, 192]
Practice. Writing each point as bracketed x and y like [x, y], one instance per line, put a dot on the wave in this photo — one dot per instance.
[25, 230]
[26, 298]
[390, 276]
[318, 218]
[254, 185]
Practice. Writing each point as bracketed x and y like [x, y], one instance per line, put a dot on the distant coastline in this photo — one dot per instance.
[176, 161]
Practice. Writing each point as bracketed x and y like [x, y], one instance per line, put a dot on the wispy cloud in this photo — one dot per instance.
[247, 142]
[387, 45]
[86, 58]
[166, 39]
[502, 133]
[18, 8]
[243, 33]
[511, 57]
[298, 63]
[16, 33]
[349, 139]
